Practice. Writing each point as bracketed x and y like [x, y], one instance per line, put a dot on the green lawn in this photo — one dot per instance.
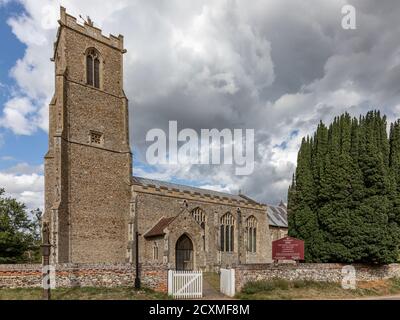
[259, 290]
[121, 293]
[282, 289]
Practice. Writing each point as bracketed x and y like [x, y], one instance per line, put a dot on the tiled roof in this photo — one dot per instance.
[277, 216]
[158, 228]
[180, 187]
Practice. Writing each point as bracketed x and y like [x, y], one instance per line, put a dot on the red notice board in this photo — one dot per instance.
[288, 249]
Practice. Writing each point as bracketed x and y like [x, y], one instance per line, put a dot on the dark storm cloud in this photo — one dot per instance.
[315, 70]
[276, 66]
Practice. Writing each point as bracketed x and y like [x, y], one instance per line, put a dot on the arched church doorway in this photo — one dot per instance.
[184, 253]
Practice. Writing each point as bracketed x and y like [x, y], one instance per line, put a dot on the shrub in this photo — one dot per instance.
[253, 287]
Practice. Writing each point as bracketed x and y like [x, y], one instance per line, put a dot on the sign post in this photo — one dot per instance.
[46, 261]
[288, 248]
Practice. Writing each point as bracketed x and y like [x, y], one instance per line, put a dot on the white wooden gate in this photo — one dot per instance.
[185, 284]
[227, 282]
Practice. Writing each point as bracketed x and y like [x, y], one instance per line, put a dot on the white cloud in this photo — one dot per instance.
[18, 115]
[27, 188]
[24, 168]
[218, 188]
[6, 158]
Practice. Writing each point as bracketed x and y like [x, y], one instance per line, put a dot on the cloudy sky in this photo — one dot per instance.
[276, 66]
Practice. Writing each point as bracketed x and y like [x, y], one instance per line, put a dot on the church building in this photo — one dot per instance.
[96, 208]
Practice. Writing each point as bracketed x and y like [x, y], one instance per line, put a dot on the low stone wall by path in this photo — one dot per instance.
[20, 275]
[85, 275]
[329, 272]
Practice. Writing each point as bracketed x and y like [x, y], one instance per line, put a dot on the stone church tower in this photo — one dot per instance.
[88, 165]
[93, 204]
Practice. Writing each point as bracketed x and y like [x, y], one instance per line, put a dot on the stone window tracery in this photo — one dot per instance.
[155, 251]
[251, 226]
[227, 235]
[199, 216]
[93, 68]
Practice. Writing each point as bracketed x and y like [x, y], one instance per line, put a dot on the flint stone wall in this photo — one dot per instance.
[328, 272]
[84, 275]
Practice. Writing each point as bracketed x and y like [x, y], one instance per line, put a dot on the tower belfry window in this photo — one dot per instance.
[93, 68]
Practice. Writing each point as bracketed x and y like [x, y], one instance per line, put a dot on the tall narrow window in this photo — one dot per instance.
[227, 233]
[203, 226]
[222, 237]
[93, 68]
[97, 73]
[155, 251]
[231, 238]
[89, 73]
[251, 225]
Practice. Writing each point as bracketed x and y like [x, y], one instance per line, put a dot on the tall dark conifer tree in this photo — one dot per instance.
[344, 199]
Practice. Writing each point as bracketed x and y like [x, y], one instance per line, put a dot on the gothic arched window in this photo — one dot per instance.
[227, 235]
[155, 251]
[251, 225]
[93, 68]
[199, 216]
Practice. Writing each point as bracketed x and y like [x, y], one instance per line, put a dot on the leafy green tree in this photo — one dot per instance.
[19, 234]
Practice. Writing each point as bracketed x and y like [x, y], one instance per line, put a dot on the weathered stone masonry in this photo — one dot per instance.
[87, 185]
[151, 202]
[155, 276]
[84, 275]
[329, 272]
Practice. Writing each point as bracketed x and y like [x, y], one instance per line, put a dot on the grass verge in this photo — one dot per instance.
[120, 293]
[279, 289]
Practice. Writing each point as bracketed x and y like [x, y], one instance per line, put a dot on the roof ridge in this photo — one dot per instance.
[198, 188]
[247, 198]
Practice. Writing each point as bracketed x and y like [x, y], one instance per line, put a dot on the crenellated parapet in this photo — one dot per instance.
[87, 28]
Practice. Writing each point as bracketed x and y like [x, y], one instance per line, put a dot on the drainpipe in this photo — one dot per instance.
[239, 228]
[137, 277]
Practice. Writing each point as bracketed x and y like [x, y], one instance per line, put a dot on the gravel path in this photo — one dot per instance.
[209, 293]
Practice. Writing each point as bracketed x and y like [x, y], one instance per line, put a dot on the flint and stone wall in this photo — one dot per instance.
[277, 232]
[84, 275]
[329, 272]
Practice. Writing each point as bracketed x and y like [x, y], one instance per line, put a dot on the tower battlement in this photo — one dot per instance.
[88, 29]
